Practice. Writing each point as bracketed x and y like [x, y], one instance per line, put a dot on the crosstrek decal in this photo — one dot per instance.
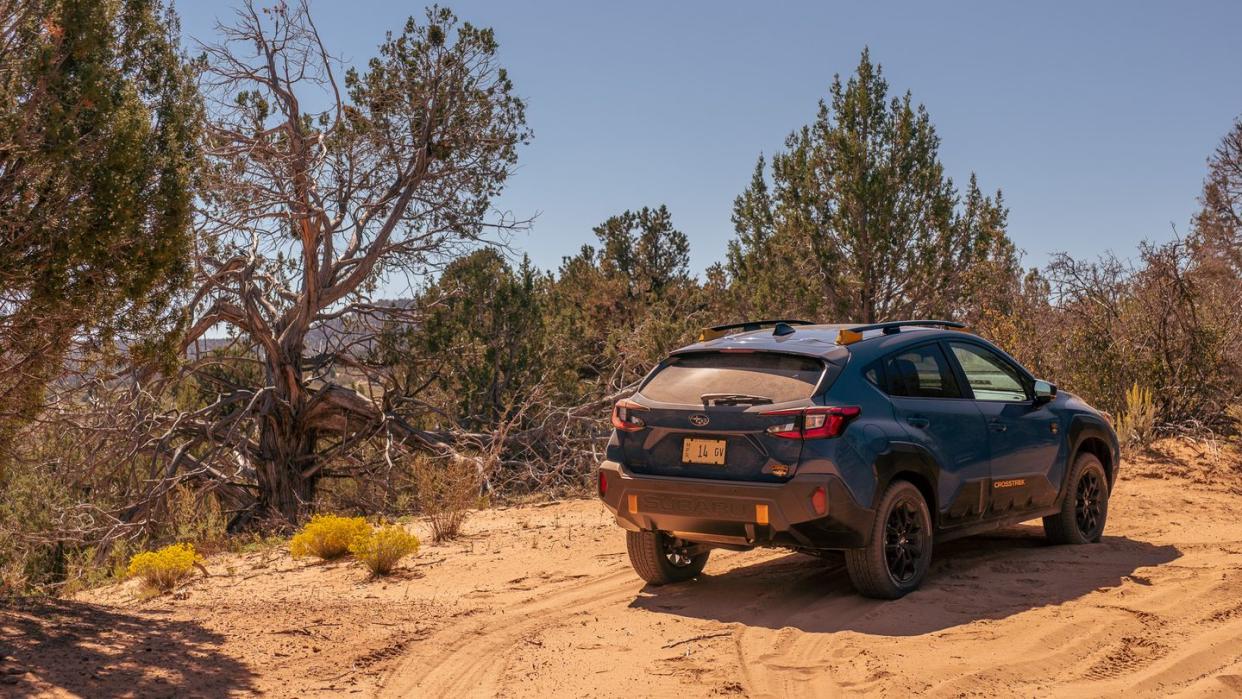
[1010, 483]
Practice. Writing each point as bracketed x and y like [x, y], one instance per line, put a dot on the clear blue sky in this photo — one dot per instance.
[1094, 118]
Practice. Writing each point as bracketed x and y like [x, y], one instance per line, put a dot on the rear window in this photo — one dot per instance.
[779, 377]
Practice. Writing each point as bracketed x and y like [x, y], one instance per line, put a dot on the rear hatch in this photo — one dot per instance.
[706, 415]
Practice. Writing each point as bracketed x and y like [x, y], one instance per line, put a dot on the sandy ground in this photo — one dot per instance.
[540, 601]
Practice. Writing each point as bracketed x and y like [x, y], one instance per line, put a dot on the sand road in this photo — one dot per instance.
[540, 601]
[1156, 608]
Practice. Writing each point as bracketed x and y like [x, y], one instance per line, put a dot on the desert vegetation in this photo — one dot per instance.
[161, 570]
[196, 344]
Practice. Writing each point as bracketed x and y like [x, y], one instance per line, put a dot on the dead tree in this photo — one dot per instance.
[321, 185]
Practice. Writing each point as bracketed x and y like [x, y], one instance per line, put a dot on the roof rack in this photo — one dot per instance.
[851, 335]
[719, 330]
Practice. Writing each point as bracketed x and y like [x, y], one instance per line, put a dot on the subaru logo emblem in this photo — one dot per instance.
[699, 420]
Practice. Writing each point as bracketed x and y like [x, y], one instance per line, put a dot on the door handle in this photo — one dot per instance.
[919, 422]
[997, 426]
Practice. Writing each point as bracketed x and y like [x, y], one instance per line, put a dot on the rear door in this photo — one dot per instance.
[705, 415]
[934, 411]
[1023, 437]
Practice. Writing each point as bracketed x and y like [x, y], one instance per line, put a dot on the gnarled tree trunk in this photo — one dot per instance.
[306, 212]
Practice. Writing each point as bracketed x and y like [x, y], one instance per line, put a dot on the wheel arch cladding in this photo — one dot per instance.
[1090, 434]
[920, 481]
[1097, 447]
[910, 467]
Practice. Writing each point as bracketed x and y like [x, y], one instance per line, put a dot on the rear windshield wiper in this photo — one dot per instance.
[733, 399]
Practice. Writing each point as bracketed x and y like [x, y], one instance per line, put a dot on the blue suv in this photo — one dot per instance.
[876, 440]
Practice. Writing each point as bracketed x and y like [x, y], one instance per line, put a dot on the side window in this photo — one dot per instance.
[921, 372]
[989, 376]
[872, 374]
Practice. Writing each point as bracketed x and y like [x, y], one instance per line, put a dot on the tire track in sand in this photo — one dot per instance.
[1151, 611]
[466, 658]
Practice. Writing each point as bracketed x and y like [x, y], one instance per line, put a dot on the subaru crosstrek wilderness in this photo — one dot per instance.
[875, 440]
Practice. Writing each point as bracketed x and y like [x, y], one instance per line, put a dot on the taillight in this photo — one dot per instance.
[623, 417]
[813, 423]
[603, 484]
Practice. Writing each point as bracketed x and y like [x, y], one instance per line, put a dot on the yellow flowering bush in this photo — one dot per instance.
[162, 570]
[328, 536]
[382, 548]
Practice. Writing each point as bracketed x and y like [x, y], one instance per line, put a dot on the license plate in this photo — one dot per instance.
[703, 451]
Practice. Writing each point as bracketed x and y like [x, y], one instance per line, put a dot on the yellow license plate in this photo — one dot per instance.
[703, 451]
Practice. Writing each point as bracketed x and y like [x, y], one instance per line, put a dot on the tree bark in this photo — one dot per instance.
[286, 452]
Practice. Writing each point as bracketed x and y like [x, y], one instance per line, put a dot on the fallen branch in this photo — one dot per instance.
[700, 637]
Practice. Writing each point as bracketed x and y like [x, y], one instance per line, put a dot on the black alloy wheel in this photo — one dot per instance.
[1084, 508]
[899, 550]
[1088, 508]
[904, 542]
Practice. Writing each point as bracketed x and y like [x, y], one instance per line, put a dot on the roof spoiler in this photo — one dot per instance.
[721, 330]
[851, 335]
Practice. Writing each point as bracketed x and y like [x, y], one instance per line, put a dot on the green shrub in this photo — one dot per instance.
[162, 570]
[328, 536]
[198, 517]
[382, 548]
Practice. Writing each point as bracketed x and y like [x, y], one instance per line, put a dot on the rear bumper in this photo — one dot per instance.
[729, 513]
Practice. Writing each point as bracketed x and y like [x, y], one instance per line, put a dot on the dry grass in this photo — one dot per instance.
[446, 493]
[1136, 426]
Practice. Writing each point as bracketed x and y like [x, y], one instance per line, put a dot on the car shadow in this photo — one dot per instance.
[990, 576]
[91, 650]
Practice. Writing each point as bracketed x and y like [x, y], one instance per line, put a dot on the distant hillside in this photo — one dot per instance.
[353, 332]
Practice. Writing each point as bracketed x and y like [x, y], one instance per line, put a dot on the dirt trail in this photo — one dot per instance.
[540, 601]
[1154, 609]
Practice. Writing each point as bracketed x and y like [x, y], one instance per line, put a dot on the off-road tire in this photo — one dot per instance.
[1066, 526]
[649, 556]
[869, 567]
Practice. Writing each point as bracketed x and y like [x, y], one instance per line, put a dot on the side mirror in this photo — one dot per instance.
[1044, 392]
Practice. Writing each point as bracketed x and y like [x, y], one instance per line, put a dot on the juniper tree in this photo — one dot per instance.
[614, 310]
[476, 349]
[857, 220]
[319, 185]
[98, 118]
[1218, 227]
